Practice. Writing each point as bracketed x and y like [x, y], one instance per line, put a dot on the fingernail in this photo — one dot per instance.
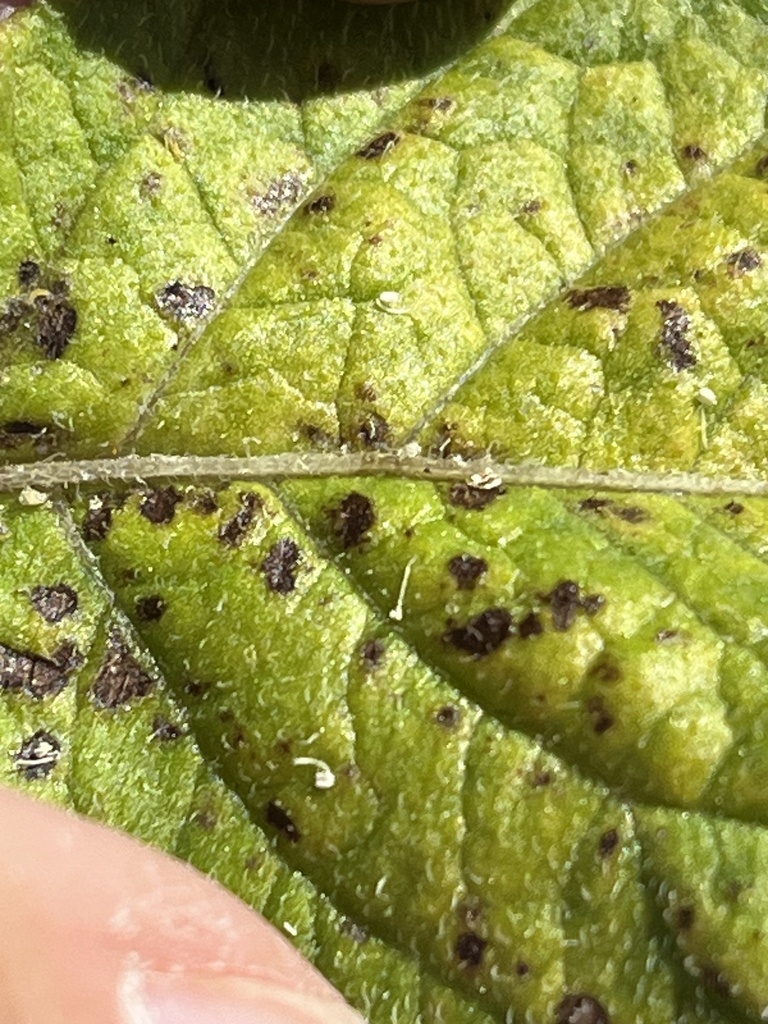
[154, 998]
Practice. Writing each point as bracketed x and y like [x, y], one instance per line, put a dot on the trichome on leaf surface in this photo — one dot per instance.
[531, 230]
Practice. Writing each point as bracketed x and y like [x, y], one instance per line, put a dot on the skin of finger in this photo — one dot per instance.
[81, 905]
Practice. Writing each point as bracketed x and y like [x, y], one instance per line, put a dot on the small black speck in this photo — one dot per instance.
[685, 918]
[608, 842]
[379, 146]
[449, 716]
[159, 506]
[151, 608]
[98, 518]
[531, 625]
[164, 731]
[279, 567]
[602, 721]
[470, 949]
[565, 601]
[595, 505]
[322, 204]
[668, 636]
[54, 603]
[234, 532]
[373, 653]
[38, 755]
[615, 297]
[581, 1009]
[734, 507]
[522, 968]
[353, 519]
[279, 818]
[29, 274]
[629, 513]
[630, 168]
[467, 570]
[483, 634]
[693, 152]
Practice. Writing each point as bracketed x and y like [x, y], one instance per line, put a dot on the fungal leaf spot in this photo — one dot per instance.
[352, 519]
[121, 679]
[280, 819]
[279, 567]
[38, 755]
[483, 634]
[379, 146]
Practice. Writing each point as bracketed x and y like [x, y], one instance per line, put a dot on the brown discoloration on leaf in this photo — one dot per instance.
[593, 603]
[483, 634]
[372, 653]
[121, 679]
[377, 147]
[602, 720]
[279, 567]
[56, 325]
[522, 969]
[34, 675]
[279, 194]
[735, 508]
[466, 570]
[474, 498]
[744, 261]
[675, 346]
[165, 731]
[530, 625]
[581, 1009]
[280, 819]
[98, 518]
[685, 918]
[694, 152]
[470, 949]
[185, 302]
[352, 519]
[159, 506]
[38, 755]
[150, 608]
[151, 186]
[234, 532]
[614, 296]
[565, 602]
[28, 275]
[449, 716]
[374, 432]
[55, 602]
[203, 502]
[608, 842]
[322, 204]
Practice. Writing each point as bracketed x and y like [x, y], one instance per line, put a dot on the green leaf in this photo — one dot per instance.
[486, 751]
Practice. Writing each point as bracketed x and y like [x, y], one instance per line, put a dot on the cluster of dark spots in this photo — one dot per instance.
[734, 507]
[98, 518]
[281, 192]
[530, 625]
[38, 755]
[609, 296]
[28, 275]
[715, 981]
[467, 570]
[150, 608]
[159, 505]
[352, 519]
[234, 532]
[483, 634]
[472, 497]
[43, 309]
[186, 302]
[743, 261]
[165, 731]
[203, 502]
[357, 932]
[372, 653]
[601, 719]
[448, 716]
[693, 152]
[608, 842]
[606, 506]
[280, 819]
[54, 603]
[151, 186]
[377, 147]
[675, 345]
[34, 675]
[374, 432]
[685, 917]
[279, 567]
[322, 204]
[566, 601]
[470, 949]
[581, 1009]
[121, 678]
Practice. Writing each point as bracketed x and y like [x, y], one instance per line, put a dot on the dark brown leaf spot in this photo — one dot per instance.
[601, 719]
[159, 506]
[186, 302]
[38, 755]
[121, 678]
[595, 505]
[151, 186]
[675, 345]
[608, 842]
[449, 716]
[373, 653]
[531, 625]
[98, 518]
[685, 918]
[565, 601]
[630, 168]
[164, 731]
[592, 603]
[483, 634]
[28, 275]
[234, 532]
[323, 204]
[473, 498]
[352, 519]
[467, 570]
[470, 949]
[34, 675]
[616, 297]
[56, 325]
[379, 146]
[374, 431]
[16, 310]
[581, 1009]
[150, 608]
[203, 502]
[743, 261]
[734, 507]
[279, 818]
[279, 193]
[522, 968]
[532, 207]
[693, 152]
[629, 513]
[54, 603]
[279, 567]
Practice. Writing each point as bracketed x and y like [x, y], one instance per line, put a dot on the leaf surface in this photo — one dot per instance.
[485, 753]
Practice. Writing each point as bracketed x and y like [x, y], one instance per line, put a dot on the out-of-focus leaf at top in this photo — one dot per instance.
[485, 752]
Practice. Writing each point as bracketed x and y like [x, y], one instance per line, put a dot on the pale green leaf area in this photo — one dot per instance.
[484, 753]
